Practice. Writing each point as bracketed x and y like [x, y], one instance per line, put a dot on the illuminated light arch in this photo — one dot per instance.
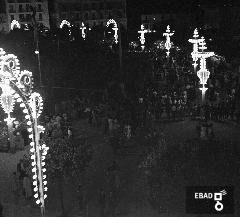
[15, 24]
[65, 22]
[115, 28]
[111, 21]
[17, 87]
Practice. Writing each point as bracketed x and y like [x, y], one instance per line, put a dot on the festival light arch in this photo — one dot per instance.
[17, 87]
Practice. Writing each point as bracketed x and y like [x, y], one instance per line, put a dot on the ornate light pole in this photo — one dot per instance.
[142, 33]
[195, 41]
[115, 29]
[168, 43]
[203, 74]
[17, 86]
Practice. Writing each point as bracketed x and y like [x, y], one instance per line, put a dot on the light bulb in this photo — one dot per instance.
[34, 182]
[32, 143]
[44, 170]
[27, 116]
[32, 157]
[45, 196]
[35, 189]
[25, 111]
[32, 150]
[34, 176]
[34, 170]
[45, 189]
[38, 201]
[36, 196]
[33, 164]
[31, 136]
[29, 122]
[22, 105]
[45, 182]
[44, 176]
[43, 163]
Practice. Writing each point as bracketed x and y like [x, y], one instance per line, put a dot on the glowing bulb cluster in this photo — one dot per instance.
[115, 28]
[168, 43]
[15, 24]
[65, 22]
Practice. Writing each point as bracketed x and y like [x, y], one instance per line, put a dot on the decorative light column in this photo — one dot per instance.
[115, 29]
[168, 35]
[142, 33]
[195, 41]
[83, 28]
[203, 74]
[17, 87]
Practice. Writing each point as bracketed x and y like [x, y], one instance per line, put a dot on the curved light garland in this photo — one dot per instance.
[15, 24]
[115, 28]
[168, 43]
[65, 22]
[17, 87]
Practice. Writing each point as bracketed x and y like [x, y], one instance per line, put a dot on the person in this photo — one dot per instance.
[20, 173]
[102, 202]
[27, 186]
[1, 209]
[15, 187]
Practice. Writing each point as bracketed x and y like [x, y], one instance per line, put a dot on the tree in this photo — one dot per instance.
[66, 160]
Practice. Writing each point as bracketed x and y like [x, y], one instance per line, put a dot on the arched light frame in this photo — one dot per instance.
[168, 44]
[65, 22]
[15, 24]
[115, 28]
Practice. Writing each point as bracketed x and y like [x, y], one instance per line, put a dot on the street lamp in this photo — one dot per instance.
[195, 41]
[168, 43]
[115, 29]
[203, 74]
[17, 87]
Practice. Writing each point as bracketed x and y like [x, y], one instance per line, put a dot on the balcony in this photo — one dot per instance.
[12, 11]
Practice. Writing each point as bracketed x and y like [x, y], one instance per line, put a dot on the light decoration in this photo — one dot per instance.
[15, 24]
[83, 28]
[115, 28]
[203, 74]
[168, 34]
[142, 33]
[17, 87]
[65, 22]
[195, 41]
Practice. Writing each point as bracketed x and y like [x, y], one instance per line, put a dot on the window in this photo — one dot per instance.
[27, 7]
[12, 17]
[11, 9]
[20, 8]
[40, 17]
[39, 7]
[21, 17]
[28, 17]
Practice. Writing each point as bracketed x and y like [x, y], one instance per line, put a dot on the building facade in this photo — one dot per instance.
[91, 12]
[20, 10]
[149, 20]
